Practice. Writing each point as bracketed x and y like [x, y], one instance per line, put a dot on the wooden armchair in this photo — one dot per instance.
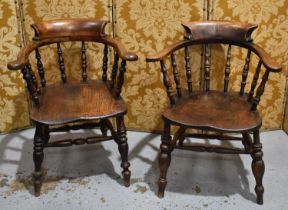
[220, 111]
[90, 102]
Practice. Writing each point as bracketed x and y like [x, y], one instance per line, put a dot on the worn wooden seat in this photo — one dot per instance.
[93, 100]
[56, 104]
[221, 111]
[235, 112]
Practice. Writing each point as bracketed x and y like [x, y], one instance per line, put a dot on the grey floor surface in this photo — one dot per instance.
[88, 176]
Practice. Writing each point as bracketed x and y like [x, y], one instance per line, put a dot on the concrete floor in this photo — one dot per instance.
[88, 176]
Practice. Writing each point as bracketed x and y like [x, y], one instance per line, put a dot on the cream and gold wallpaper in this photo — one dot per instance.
[14, 113]
[144, 27]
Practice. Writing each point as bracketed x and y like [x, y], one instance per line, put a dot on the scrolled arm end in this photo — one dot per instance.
[129, 56]
[120, 49]
[15, 65]
[22, 58]
[268, 62]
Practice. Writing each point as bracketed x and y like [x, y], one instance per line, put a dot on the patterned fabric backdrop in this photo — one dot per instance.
[13, 100]
[145, 27]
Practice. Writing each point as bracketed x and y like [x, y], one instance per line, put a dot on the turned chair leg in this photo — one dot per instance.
[38, 156]
[123, 149]
[164, 159]
[258, 166]
[103, 128]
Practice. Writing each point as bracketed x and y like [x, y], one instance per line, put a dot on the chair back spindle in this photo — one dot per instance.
[260, 90]
[166, 82]
[188, 69]
[105, 63]
[40, 68]
[33, 79]
[114, 71]
[121, 78]
[84, 62]
[255, 80]
[245, 72]
[207, 67]
[176, 75]
[61, 63]
[30, 85]
[201, 87]
[227, 69]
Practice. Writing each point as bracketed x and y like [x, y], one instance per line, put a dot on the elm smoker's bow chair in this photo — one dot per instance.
[214, 110]
[81, 101]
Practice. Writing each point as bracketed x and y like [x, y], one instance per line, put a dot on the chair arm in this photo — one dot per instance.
[159, 56]
[23, 55]
[119, 47]
[267, 61]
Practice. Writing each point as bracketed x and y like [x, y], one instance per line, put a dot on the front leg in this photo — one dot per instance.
[38, 156]
[258, 166]
[123, 149]
[164, 159]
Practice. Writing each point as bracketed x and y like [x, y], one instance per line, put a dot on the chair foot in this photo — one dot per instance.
[161, 185]
[37, 184]
[38, 156]
[126, 173]
[258, 166]
[164, 159]
[259, 192]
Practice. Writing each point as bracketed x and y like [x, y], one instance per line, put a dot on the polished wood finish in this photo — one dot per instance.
[220, 111]
[91, 100]
[219, 30]
[79, 101]
[190, 109]
[68, 28]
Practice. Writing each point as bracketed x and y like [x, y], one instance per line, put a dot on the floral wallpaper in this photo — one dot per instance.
[144, 27]
[13, 100]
